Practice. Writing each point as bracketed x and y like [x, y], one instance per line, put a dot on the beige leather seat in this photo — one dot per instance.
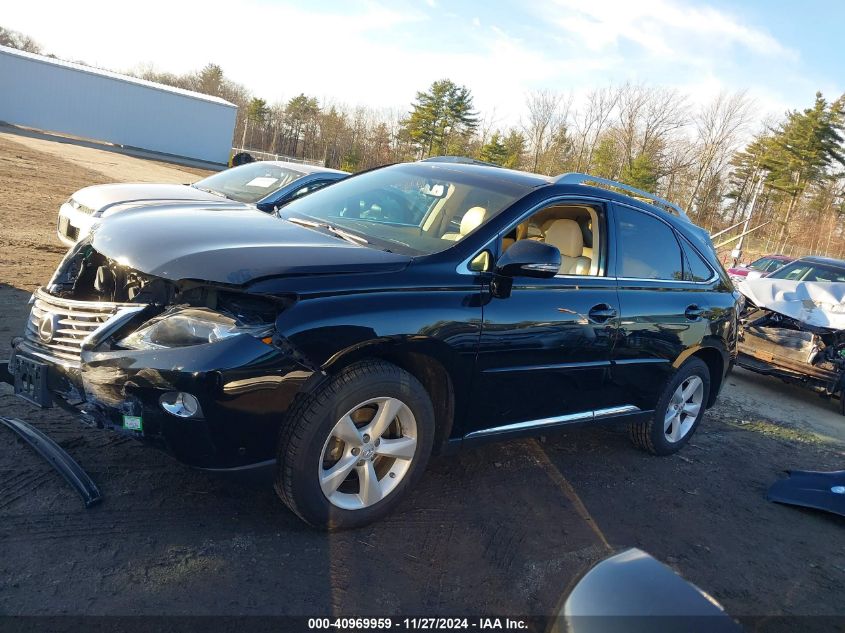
[567, 237]
[472, 220]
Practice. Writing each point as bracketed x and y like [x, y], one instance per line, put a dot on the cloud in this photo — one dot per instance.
[661, 28]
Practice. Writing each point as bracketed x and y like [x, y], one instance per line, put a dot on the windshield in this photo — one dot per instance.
[412, 208]
[810, 271]
[249, 183]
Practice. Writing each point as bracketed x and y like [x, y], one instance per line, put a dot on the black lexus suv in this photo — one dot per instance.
[412, 309]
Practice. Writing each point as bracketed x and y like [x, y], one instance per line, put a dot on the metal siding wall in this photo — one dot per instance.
[48, 97]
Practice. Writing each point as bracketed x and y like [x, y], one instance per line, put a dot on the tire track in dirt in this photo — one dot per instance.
[16, 484]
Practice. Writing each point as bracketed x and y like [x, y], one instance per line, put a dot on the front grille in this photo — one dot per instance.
[73, 322]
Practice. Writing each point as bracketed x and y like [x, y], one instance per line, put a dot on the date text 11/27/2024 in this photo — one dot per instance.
[423, 623]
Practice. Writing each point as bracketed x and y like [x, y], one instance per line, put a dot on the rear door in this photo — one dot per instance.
[665, 304]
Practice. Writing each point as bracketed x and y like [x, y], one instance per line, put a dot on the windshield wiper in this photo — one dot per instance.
[346, 235]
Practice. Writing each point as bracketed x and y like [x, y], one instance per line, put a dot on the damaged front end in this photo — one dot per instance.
[193, 367]
[789, 342]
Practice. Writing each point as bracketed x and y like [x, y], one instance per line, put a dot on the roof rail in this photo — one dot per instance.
[580, 179]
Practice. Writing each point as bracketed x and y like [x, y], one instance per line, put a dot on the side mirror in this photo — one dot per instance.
[754, 274]
[527, 258]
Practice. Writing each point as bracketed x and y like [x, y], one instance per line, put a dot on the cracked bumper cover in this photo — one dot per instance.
[244, 388]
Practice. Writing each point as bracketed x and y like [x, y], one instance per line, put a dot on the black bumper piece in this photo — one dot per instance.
[817, 490]
[57, 458]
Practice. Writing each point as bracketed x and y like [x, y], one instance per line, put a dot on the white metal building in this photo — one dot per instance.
[58, 96]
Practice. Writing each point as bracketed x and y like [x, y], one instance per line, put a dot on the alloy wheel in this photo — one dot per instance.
[683, 409]
[368, 452]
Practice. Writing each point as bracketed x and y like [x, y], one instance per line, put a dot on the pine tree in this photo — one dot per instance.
[515, 144]
[256, 113]
[802, 149]
[442, 119]
[494, 151]
[210, 80]
[641, 173]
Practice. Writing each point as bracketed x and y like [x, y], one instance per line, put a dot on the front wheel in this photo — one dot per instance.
[350, 451]
[678, 412]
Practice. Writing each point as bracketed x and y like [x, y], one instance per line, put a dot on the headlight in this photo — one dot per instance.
[189, 326]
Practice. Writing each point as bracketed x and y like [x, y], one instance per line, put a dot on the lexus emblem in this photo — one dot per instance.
[47, 327]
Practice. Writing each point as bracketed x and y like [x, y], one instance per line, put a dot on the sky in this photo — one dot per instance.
[379, 53]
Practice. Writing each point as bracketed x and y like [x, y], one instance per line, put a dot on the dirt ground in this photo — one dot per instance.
[502, 530]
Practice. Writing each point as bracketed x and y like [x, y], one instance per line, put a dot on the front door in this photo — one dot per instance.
[545, 347]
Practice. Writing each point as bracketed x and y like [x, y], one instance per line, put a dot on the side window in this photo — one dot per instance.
[313, 186]
[575, 229]
[695, 268]
[646, 247]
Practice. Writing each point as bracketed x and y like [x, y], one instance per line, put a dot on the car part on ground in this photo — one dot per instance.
[56, 456]
[632, 592]
[482, 303]
[809, 489]
[794, 330]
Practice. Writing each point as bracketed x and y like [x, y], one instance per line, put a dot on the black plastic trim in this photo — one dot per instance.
[57, 458]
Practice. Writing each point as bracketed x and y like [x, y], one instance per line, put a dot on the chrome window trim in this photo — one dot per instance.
[670, 281]
[560, 419]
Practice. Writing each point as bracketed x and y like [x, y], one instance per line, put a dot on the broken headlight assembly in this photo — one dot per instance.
[183, 327]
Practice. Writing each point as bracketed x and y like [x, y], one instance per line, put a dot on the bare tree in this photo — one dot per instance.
[591, 122]
[543, 117]
[719, 128]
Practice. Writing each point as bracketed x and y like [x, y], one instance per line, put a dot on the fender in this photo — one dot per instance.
[443, 324]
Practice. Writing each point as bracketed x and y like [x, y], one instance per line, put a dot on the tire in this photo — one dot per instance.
[671, 427]
[241, 158]
[334, 476]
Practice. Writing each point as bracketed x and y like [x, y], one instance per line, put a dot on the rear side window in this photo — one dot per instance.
[695, 268]
[646, 247]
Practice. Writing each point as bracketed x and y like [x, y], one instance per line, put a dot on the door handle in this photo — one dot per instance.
[601, 313]
[693, 312]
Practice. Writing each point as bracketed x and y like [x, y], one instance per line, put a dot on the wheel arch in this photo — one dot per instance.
[422, 360]
[716, 361]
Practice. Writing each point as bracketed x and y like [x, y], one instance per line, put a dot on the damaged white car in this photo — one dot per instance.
[793, 325]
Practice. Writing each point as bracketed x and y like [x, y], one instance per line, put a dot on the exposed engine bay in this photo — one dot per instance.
[87, 275]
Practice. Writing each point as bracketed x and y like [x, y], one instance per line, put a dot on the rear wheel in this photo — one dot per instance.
[350, 451]
[678, 412]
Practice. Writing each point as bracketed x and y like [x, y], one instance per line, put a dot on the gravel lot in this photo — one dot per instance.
[501, 530]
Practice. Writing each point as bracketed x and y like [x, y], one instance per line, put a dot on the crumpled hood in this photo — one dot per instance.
[230, 245]
[814, 303]
[101, 198]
